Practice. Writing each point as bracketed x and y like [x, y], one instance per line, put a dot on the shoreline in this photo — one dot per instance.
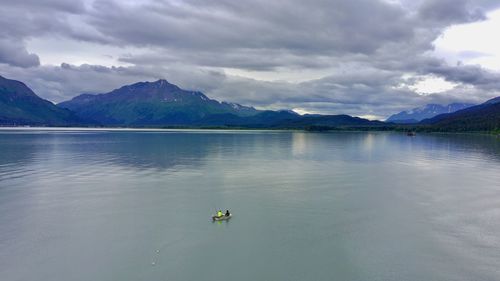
[227, 129]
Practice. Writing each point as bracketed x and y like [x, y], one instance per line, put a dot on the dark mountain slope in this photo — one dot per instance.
[332, 121]
[19, 105]
[263, 119]
[483, 117]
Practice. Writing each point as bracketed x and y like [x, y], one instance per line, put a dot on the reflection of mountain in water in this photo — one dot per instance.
[174, 149]
[154, 150]
[64, 153]
[18, 150]
[485, 145]
[190, 149]
[58, 150]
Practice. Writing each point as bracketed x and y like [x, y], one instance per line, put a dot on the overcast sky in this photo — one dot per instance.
[360, 57]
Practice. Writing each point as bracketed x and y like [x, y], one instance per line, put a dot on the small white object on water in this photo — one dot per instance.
[153, 263]
[157, 251]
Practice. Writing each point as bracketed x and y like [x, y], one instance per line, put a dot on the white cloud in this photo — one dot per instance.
[473, 43]
[430, 84]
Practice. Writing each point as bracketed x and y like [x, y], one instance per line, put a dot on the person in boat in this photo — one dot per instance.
[219, 213]
[227, 213]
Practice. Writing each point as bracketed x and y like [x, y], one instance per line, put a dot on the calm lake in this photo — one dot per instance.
[137, 205]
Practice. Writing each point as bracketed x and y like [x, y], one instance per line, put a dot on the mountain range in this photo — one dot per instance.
[162, 104]
[428, 111]
[151, 104]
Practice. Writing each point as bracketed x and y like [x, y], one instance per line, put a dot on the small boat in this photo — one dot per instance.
[222, 218]
[411, 134]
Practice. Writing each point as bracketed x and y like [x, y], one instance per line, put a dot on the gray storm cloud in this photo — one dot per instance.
[360, 51]
[15, 54]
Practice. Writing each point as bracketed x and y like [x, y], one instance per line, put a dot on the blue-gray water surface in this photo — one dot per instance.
[137, 205]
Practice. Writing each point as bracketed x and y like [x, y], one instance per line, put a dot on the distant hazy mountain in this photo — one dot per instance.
[483, 117]
[19, 105]
[420, 113]
[152, 103]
